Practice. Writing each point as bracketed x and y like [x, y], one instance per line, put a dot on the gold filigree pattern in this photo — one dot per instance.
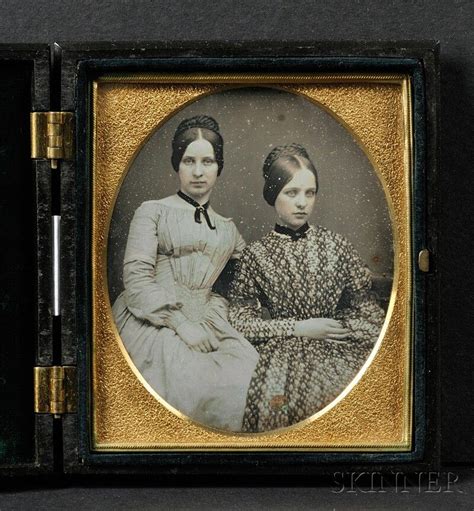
[374, 412]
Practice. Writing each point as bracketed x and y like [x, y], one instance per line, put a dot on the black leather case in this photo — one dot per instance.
[31, 193]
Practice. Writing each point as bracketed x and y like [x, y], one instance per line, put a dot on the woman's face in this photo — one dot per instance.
[198, 170]
[295, 202]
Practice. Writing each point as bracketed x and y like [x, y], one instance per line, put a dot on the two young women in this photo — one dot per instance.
[232, 369]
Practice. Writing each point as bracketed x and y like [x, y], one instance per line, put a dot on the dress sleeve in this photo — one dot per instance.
[358, 310]
[227, 275]
[239, 245]
[144, 297]
[245, 313]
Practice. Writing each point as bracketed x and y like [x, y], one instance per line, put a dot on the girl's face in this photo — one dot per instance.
[198, 170]
[295, 202]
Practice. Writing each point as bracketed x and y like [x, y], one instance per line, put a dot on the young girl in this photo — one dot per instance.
[323, 321]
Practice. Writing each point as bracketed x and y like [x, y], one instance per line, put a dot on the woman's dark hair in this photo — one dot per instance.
[281, 165]
[195, 128]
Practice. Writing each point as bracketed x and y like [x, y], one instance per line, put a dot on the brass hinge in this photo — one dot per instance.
[55, 389]
[52, 136]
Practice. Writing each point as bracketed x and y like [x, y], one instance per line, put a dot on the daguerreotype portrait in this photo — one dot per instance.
[251, 277]
[228, 186]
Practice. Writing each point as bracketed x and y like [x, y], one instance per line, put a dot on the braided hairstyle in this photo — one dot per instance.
[281, 165]
[195, 128]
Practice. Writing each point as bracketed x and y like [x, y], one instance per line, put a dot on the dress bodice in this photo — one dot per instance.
[190, 253]
[172, 261]
[317, 276]
[305, 278]
[196, 254]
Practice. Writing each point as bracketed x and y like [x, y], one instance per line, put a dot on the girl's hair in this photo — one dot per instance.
[196, 128]
[281, 165]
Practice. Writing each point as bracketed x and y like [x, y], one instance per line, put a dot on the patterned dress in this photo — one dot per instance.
[317, 276]
[171, 263]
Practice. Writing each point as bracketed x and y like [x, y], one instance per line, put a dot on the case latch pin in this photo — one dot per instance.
[424, 260]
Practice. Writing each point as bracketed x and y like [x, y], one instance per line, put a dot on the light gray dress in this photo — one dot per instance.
[171, 263]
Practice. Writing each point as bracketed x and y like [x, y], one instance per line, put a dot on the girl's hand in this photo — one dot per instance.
[194, 335]
[321, 328]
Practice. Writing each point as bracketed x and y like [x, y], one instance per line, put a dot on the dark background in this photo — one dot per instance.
[450, 22]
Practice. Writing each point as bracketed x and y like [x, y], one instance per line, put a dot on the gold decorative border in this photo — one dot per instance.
[251, 78]
[191, 436]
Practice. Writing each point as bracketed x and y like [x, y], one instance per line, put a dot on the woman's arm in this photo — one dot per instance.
[227, 275]
[358, 310]
[144, 297]
[245, 313]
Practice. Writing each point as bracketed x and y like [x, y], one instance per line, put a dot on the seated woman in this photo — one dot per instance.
[323, 321]
[171, 323]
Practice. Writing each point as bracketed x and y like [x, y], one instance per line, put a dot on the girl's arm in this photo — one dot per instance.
[358, 310]
[144, 297]
[245, 313]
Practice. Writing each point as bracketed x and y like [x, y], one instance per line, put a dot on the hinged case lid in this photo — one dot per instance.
[26, 439]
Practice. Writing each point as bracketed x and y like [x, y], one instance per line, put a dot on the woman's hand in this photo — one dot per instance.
[321, 328]
[194, 335]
